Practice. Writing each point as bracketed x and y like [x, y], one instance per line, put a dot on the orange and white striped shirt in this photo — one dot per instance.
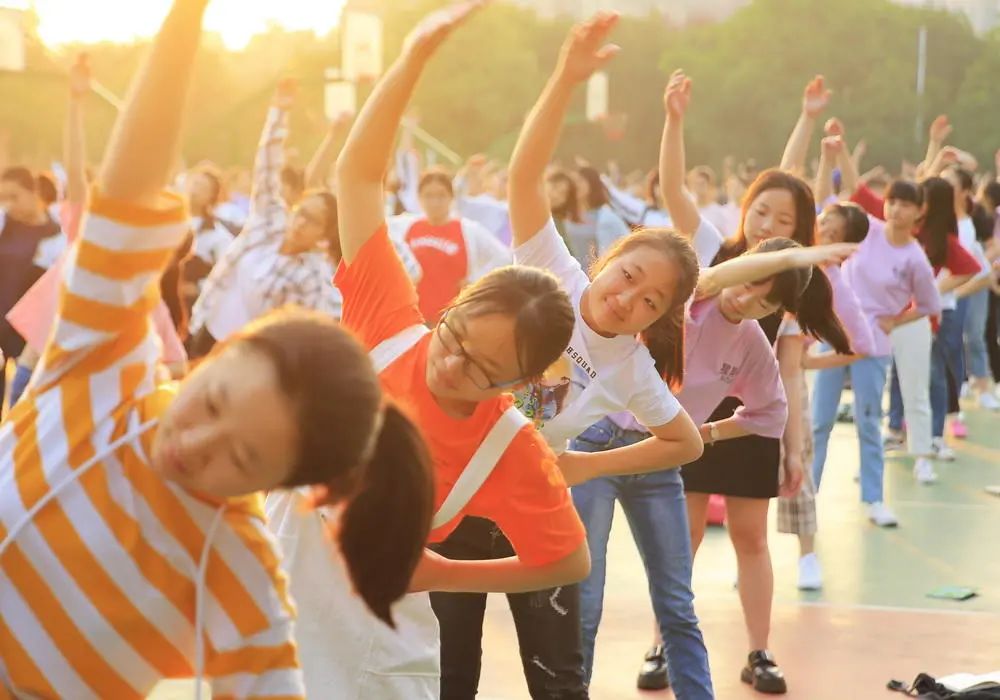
[98, 590]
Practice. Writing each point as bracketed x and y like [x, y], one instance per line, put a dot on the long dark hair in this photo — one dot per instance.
[806, 293]
[805, 210]
[358, 445]
[570, 210]
[939, 220]
[665, 337]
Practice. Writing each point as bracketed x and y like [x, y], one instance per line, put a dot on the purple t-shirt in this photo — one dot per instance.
[887, 278]
[731, 359]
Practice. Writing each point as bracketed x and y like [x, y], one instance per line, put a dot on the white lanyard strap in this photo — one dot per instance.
[391, 349]
[481, 465]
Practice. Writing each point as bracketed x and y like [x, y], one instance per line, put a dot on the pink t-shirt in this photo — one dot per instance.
[32, 316]
[848, 310]
[731, 359]
[886, 279]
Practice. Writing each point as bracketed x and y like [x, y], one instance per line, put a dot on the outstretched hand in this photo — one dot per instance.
[585, 52]
[424, 39]
[833, 127]
[940, 129]
[677, 96]
[833, 146]
[815, 97]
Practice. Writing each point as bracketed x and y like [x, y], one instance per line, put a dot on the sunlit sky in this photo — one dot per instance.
[65, 21]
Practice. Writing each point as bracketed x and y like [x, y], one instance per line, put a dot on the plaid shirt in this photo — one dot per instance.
[253, 266]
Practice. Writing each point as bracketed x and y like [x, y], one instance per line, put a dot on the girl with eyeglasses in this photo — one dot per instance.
[502, 331]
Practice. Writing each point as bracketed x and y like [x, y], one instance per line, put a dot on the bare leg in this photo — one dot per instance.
[747, 518]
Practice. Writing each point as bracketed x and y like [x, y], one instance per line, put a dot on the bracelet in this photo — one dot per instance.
[713, 433]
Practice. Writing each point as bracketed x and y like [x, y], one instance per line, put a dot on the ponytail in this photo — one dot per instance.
[665, 342]
[816, 315]
[385, 524]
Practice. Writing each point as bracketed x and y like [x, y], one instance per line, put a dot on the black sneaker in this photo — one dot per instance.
[653, 674]
[763, 673]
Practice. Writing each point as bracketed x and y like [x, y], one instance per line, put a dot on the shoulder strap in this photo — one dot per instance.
[481, 465]
[391, 349]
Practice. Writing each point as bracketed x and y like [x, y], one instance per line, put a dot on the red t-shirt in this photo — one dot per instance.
[957, 260]
[525, 494]
[443, 257]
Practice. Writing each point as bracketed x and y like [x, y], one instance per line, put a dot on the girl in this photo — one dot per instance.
[211, 237]
[777, 205]
[608, 225]
[894, 284]
[285, 255]
[837, 223]
[976, 300]
[503, 330]
[133, 546]
[953, 267]
[451, 252]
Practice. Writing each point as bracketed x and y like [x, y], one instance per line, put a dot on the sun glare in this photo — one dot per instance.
[237, 21]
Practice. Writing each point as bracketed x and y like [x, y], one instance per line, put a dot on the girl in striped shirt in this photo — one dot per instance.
[133, 546]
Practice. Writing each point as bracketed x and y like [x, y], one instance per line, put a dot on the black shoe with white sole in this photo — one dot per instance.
[763, 674]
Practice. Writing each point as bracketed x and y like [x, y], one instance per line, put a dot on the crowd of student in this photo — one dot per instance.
[416, 388]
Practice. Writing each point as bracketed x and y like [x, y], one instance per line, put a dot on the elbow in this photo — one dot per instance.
[694, 448]
[579, 565]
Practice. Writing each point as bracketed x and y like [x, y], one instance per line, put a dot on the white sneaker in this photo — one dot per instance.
[810, 573]
[880, 514]
[923, 471]
[989, 402]
[942, 451]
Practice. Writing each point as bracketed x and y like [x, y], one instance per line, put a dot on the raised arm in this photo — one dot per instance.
[74, 149]
[761, 266]
[673, 165]
[815, 98]
[830, 149]
[363, 161]
[583, 53]
[318, 169]
[939, 131]
[270, 157]
[146, 136]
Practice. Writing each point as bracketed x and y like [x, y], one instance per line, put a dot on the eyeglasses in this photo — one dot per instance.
[452, 343]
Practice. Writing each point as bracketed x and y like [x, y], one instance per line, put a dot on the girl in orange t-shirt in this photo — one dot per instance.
[501, 332]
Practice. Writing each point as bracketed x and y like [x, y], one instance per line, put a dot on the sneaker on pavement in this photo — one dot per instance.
[810, 573]
[893, 440]
[958, 429]
[989, 402]
[923, 471]
[653, 673]
[942, 451]
[880, 514]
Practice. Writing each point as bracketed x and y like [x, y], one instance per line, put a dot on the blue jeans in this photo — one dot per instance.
[975, 333]
[656, 510]
[868, 382]
[947, 356]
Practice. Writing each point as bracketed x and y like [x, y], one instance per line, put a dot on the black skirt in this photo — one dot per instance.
[746, 467]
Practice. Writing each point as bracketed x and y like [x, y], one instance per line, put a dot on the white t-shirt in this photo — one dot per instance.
[608, 375]
[707, 242]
